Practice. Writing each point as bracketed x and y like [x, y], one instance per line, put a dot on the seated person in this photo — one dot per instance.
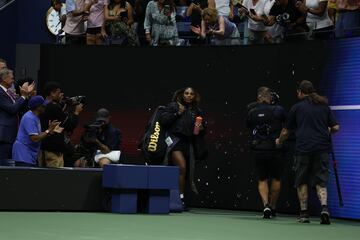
[102, 139]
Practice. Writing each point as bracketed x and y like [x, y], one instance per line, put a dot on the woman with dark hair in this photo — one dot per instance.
[160, 24]
[119, 23]
[183, 120]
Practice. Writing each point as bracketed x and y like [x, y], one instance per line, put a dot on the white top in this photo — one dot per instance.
[314, 21]
[223, 7]
[74, 25]
[274, 30]
[259, 9]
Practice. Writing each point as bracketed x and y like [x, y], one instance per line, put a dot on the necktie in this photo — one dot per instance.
[11, 94]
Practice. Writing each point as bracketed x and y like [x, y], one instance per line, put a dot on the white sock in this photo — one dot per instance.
[181, 195]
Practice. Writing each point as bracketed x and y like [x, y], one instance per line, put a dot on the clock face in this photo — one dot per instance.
[53, 21]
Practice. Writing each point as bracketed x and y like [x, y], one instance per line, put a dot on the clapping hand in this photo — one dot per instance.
[26, 89]
[53, 125]
[196, 30]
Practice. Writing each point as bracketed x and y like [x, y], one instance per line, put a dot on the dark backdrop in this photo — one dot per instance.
[131, 82]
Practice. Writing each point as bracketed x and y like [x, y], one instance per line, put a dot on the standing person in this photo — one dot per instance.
[120, 23]
[225, 8]
[313, 123]
[219, 28]
[53, 147]
[74, 28]
[27, 145]
[140, 8]
[10, 105]
[179, 118]
[348, 17]
[265, 122]
[317, 17]
[287, 15]
[194, 11]
[160, 23]
[2, 64]
[94, 32]
[255, 11]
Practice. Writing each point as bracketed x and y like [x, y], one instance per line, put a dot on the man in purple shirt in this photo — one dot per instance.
[27, 145]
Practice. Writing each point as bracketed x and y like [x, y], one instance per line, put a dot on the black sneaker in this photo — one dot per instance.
[267, 212]
[325, 216]
[304, 217]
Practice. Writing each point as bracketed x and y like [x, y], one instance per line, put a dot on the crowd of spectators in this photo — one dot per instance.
[196, 22]
[36, 131]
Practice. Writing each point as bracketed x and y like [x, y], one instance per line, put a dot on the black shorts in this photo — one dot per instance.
[93, 31]
[183, 146]
[312, 169]
[268, 165]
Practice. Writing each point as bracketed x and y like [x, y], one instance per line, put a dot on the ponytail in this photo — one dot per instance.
[317, 99]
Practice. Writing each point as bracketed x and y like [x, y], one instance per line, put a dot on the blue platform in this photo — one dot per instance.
[160, 182]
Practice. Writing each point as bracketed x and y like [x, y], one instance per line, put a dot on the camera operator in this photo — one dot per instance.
[101, 140]
[266, 121]
[313, 123]
[54, 145]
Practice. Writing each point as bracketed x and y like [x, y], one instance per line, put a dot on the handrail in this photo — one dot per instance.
[9, 2]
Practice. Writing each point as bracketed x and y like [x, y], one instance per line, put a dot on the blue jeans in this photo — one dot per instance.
[347, 22]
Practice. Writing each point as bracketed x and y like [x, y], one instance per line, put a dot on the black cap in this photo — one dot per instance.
[102, 114]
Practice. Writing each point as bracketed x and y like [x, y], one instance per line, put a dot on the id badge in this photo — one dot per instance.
[169, 141]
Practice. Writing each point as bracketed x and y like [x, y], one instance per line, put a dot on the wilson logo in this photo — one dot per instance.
[154, 138]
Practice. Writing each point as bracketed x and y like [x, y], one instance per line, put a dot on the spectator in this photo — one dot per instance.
[317, 17]
[225, 8]
[10, 104]
[95, 31]
[219, 28]
[2, 64]
[255, 11]
[61, 9]
[27, 145]
[349, 16]
[120, 23]
[140, 8]
[18, 85]
[75, 17]
[160, 24]
[194, 12]
[54, 145]
[275, 32]
[285, 13]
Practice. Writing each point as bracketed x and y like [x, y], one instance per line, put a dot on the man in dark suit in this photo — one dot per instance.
[10, 104]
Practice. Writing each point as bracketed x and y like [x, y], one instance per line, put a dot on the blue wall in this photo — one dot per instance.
[31, 27]
[341, 84]
[23, 22]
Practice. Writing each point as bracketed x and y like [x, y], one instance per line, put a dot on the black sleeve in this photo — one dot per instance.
[71, 121]
[113, 138]
[331, 119]
[274, 10]
[291, 119]
[169, 115]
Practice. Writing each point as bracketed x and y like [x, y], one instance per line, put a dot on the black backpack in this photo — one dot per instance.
[152, 144]
[265, 128]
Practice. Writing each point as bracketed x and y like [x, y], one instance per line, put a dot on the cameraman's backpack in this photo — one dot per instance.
[152, 144]
[265, 127]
